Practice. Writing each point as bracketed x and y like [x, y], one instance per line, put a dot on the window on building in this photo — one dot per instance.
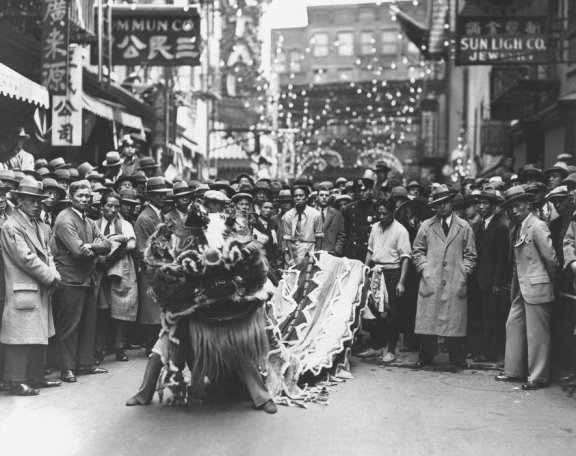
[345, 74]
[296, 58]
[366, 15]
[389, 42]
[367, 43]
[280, 63]
[320, 75]
[320, 44]
[345, 44]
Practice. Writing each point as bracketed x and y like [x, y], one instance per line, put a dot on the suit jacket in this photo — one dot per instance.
[445, 263]
[492, 247]
[536, 262]
[68, 234]
[334, 238]
[29, 272]
[145, 226]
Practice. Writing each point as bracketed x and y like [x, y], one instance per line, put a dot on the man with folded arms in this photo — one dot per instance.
[31, 277]
[76, 243]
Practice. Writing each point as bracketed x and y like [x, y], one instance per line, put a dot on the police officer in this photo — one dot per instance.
[358, 219]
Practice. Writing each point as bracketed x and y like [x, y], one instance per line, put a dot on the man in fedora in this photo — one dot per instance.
[444, 255]
[534, 270]
[31, 278]
[148, 166]
[18, 157]
[182, 198]
[492, 273]
[113, 165]
[53, 193]
[146, 224]
[76, 243]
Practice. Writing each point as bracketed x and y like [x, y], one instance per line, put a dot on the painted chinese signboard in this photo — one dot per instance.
[54, 45]
[163, 36]
[501, 40]
[67, 109]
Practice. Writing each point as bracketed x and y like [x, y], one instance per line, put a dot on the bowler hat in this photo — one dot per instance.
[112, 159]
[156, 185]
[30, 187]
[516, 193]
[440, 194]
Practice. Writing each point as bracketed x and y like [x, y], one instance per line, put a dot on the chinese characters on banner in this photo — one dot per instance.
[54, 45]
[167, 36]
[501, 40]
[67, 109]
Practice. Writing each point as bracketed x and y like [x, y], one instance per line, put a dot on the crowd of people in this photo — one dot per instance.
[489, 268]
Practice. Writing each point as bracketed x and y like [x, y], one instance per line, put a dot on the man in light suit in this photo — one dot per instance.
[334, 235]
[147, 222]
[534, 269]
[30, 279]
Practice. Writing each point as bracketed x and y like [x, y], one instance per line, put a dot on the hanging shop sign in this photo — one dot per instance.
[502, 40]
[54, 48]
[67, 109]
[155, 35]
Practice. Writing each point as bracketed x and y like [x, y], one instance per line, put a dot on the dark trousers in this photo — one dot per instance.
[110, 331]
[76, 326]
[429, 348]
[562, 329]
[24, 363]
[494, 322]
[475, 322]
[395, 323]
[377, 330]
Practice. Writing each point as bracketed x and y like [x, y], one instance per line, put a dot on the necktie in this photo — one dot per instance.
[47, 218]
[445, 227]
[37, 228]
[107, 228]
[298, 225]
[323, 215]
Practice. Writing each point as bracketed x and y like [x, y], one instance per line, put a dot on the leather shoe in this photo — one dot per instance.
[99, 357]
[45, 383]
[121, 356]
[501, 377]
[269, 407]
[528, 386]
[133, 401]
[23, 389]
[420, 364]
[91, 370]
[67, 376]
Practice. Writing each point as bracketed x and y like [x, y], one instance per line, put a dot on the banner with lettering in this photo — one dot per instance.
[54, 47]
[67, 109]
[155, 35]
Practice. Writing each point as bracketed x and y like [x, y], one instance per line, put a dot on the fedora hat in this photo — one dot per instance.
[129, 195]
[440, 194]
[559, 167]
[44, 172]
[238, 196]
[74, 174]
[40, 162]
[147, 163]
[223, 185]
[98, 187]
[7, 175]
[201, 189]
[516, 193]
[34, 174]
[63, 174]
[559, 193]
[30, 187]
[50, 184]
[181, 189]
[84, 169]
[58, 163]
[95, 176]
[18, 175]
[491, 194]
[570, 180]
[112, 159]
[139, 177]
[566, 158]
[156, 185]
[530, 170]
[285, 195]
[535, 187]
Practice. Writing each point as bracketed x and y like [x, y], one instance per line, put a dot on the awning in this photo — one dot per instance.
[111, 111]
[14, 85]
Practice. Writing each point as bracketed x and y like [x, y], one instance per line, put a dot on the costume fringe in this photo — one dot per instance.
[217, 348]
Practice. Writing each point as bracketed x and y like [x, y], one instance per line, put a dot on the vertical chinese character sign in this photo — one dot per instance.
[54, 45]
[67, 109]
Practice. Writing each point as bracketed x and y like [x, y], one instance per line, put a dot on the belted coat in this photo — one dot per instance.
[444, 264]
[29, 272]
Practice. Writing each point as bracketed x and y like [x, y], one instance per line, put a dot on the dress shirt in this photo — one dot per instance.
[487, 221]
[311, 226]
[112, 229]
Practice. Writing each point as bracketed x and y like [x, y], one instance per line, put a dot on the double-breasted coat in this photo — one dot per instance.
[149, 311]
[29, 272]
[444, 263]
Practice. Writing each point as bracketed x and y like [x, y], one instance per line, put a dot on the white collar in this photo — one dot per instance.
[80, 214]
[155, 209]
[487, 221]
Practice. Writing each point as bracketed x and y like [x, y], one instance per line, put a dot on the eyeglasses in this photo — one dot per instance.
[51, 193]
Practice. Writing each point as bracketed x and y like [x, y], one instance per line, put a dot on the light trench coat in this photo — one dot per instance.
[444, 262]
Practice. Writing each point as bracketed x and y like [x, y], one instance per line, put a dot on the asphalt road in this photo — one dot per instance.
[382, 411]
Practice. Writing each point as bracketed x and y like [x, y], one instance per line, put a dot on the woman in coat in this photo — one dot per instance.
[444, 254]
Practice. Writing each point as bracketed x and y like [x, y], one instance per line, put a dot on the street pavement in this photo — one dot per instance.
[383, 410]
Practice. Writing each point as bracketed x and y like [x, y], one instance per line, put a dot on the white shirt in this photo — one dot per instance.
[487, 221]
[449, 219]
[158, 211]
[112, 227]
[389, 246]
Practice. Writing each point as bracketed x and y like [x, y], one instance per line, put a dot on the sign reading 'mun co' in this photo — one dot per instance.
[160, 35]
[501, 40]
